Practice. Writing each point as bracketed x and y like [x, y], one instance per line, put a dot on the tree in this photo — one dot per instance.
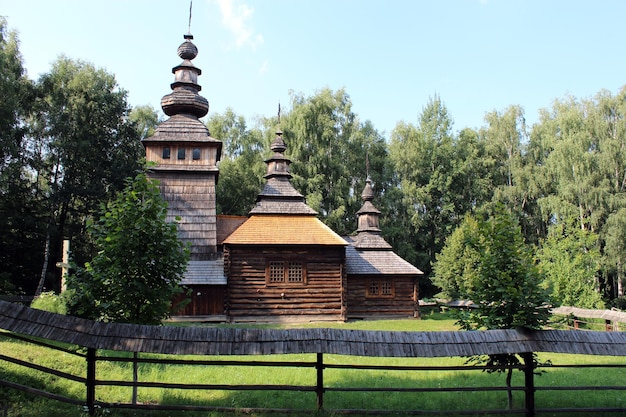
[20, 220]
[140, 261]
[570, 260]
[615, 248]
[320, 132]
[87, 147]
[424, 160]
[456, 267]
[505, 287]
[145, 119]
[241, 167]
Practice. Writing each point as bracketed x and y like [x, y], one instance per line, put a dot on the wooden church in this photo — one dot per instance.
[281, 263]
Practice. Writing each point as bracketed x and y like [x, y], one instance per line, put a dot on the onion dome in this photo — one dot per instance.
[184, 98]
[368, 214]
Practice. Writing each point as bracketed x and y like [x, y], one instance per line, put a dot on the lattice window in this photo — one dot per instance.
[295, 273]
[381, 288]
[276, 272]
[386, 288]
[286, 272]
[373, 288]
[196, 154]
[166, 153]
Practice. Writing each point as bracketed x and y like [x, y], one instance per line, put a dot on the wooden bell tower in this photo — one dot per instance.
[185, 157]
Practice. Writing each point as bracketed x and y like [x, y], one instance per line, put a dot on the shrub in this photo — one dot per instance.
[49, 301]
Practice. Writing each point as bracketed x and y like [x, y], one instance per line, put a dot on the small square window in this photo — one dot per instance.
[196, 154]
[294, 273]
[379, 288]
[166, 153]
[181, 153]
[276, 272]
[373, 288]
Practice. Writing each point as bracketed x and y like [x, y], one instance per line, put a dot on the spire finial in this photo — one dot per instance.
[367, 164]
[190, 6]
[279, 114]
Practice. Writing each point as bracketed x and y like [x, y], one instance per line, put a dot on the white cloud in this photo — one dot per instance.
[265, 66]
[236, 16]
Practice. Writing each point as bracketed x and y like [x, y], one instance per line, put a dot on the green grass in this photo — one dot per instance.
[14, 403]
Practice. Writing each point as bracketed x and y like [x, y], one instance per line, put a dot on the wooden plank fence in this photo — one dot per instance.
[26, 323]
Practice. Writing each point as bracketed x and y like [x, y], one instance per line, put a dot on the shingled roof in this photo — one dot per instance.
[369, 253]
[284, 230]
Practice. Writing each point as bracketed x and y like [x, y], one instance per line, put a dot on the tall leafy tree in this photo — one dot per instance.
[456, 268]
[20, 223]
[570, 260]
[423, 157]
[145, 120]
[328, 145]
[87, 146]
[615, 249]
[139, 264]
[505, 286]
[241, 166]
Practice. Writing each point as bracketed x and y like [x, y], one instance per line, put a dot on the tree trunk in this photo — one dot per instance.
[44, 268]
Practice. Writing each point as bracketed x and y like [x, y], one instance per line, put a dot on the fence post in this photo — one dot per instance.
[529, 383]
[319, 388]
[91, 380]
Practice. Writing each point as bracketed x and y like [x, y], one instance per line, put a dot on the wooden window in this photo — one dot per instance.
[196, 154]
[285, 272]
[380, 288]
[276, 272]
[294, 272]
[181, 153]
[166, 153]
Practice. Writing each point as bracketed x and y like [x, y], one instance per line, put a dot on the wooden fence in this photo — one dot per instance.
[48, 329]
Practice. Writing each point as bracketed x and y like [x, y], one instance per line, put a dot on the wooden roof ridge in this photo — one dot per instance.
[237, 341]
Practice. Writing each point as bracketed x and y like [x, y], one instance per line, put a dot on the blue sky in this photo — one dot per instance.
[391, 56]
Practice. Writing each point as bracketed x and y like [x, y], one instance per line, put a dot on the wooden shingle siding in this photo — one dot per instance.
[192, 199]
[250, 295]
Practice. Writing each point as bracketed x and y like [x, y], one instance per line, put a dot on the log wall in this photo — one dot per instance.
[250, 296]
[402, 304]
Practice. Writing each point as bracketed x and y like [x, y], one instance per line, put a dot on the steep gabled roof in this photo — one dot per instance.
[263, 229]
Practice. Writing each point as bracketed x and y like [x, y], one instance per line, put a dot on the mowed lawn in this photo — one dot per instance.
[15, 403]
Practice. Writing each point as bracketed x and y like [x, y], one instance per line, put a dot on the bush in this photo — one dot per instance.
[49, 301]
[620, 303]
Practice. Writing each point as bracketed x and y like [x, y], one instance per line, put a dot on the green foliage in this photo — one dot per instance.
[506, 285]
[328, 145]
[569, 259]
[140, 261]
[241, 167]
[145, 119]
[456, 269]
[86, 148]
[20, 224]
[49, 301]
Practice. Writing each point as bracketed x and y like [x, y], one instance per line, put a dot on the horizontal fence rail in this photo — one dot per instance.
[47, 330]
